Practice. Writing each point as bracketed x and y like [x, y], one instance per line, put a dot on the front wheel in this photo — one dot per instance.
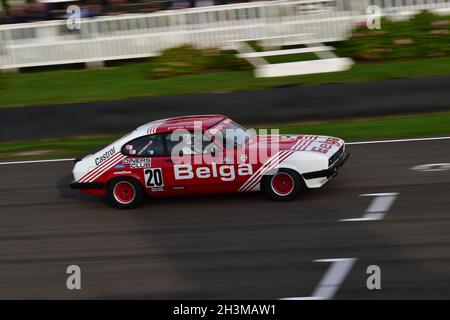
[285, 185]
[124, 193]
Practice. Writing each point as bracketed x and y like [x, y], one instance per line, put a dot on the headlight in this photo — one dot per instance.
[336, 155]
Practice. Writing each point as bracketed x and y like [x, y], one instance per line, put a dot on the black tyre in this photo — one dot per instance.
[124, 193]
[285, 185]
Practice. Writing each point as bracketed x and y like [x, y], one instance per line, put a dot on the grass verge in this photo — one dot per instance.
[132, 80]
[350, 130]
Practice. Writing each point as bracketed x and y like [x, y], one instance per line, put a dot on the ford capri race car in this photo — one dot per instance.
[206, 154]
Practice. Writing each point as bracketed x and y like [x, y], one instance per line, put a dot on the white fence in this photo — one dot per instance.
[143, 35]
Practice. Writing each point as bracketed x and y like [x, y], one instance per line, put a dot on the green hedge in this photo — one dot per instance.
[426, 35]
[188, 59]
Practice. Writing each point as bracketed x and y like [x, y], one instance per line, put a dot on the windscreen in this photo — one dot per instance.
[231, 134]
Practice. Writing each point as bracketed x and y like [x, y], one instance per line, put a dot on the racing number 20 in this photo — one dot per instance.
[153, 177]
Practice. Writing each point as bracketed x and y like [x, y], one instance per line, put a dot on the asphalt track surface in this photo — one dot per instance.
[252, 107]
[232, 246]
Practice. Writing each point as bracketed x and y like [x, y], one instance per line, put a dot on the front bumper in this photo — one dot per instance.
[87, 185]
[330, 172]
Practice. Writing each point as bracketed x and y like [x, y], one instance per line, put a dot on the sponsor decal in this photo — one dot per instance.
[219, 126]
[244, 157]
[327, 145]
[224, 172]
[122, 172]
[138, 163]
[130, 149]
[119, 166]
[105, 156]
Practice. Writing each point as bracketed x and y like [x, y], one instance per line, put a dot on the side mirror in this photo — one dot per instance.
[213, 152]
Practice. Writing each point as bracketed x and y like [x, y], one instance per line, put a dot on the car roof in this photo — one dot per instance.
[185, 122]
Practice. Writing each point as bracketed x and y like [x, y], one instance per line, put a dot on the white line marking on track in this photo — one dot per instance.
[37, 161]
[348, 143]
[332, 279]
[378, 207]
[432, 167]
[367, 217]
[399, 140]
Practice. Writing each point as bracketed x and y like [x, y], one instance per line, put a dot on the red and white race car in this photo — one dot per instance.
[206, 154]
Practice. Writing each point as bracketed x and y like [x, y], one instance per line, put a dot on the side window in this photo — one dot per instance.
[147, 146]
[209, 147]
[182, 145]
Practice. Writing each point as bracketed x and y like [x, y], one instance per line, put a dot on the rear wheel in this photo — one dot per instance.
[285, 185]
[124, 193]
